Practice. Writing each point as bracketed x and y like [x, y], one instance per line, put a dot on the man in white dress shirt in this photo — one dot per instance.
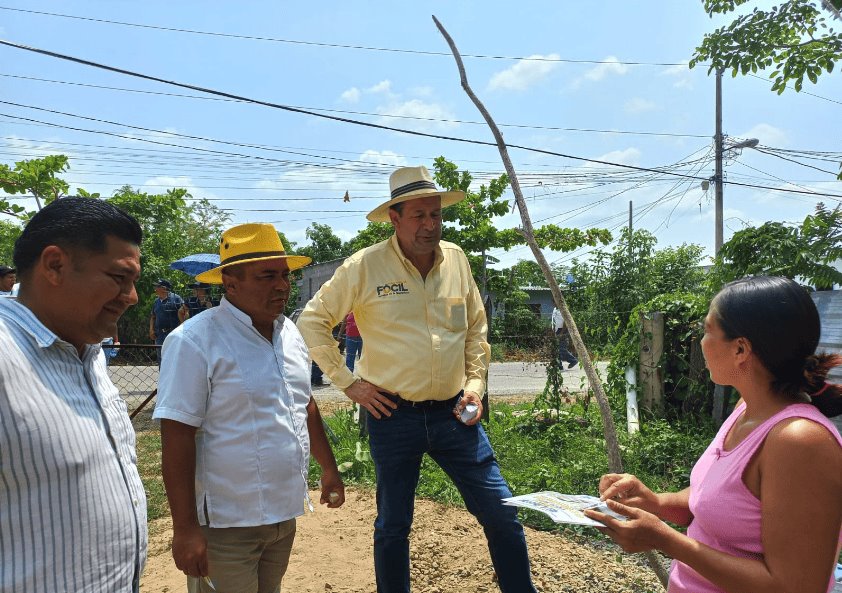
[238, 423]
[564, 354]
[72, 506]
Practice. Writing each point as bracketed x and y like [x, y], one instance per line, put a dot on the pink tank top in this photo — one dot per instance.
[726, 515]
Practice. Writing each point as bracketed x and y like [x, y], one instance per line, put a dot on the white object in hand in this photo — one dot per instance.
[468, 412]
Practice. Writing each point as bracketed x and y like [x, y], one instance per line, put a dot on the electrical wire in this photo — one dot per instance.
[334, 45]
[386, 115]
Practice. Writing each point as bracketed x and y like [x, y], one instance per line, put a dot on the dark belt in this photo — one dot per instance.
[424, 403]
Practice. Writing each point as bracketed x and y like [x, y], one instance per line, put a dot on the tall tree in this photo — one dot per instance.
[9, 232]
[324, 244]
[805, 251]
[172, 228]
[473, 229]
[793, 38]
[36, 177]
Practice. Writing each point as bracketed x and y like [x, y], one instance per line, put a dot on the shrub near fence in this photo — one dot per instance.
[134, 370]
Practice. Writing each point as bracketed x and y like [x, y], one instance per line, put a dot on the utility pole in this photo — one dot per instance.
[718, 180]
[630, 230]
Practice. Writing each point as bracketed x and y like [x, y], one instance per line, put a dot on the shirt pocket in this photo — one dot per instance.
[455, 313]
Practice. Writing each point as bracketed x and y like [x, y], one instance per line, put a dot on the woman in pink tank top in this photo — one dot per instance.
[764, 507]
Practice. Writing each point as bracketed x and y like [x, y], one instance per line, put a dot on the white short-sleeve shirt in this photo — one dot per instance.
[248, 399]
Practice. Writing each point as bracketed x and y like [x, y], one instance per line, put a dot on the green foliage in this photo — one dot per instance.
[373, 233]
[36, 177]
[613, 283]
[474, 230]
[567, 455]
[806, 251]
[149, 467]
[9, 232]
[793, 39]
[687, 386]
[665, 452]
[350, 450]
[172, 229]
[324, 244]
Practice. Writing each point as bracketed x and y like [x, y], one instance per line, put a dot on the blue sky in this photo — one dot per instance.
[650, 115]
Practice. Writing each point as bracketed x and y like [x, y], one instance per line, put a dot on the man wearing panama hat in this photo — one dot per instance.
[238, 423]
[420, 377]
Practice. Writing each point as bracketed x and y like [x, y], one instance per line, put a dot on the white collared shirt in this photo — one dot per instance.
[72, 506]
[558, 320]
[248, 398]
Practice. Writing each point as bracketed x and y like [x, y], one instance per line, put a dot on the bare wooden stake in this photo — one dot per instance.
[615, 462]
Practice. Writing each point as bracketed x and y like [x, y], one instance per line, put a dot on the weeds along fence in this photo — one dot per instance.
[134, 370]
[521, 334]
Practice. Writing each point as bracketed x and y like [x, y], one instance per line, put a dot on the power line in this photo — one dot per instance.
[386, 115]
[803, 92]
[334, 45]
[352, 121]
[771, 153]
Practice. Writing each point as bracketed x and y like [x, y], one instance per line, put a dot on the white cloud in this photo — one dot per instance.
[682, 73]
[384, 86]
[677, 70]
[684, 83]
[165, 134]
[421, 91]
[352, 95]
[638, 105]
[610, 65]
[524, 73]
[430, 115]
[162, 183]
[385, 157]
[629, 156]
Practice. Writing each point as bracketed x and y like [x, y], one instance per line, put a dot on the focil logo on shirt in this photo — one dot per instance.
[392, 288]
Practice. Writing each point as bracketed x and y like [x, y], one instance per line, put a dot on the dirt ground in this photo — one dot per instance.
[333, 554]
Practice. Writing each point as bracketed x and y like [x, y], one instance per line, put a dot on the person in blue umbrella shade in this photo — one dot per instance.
[200, 301]
[166, 313]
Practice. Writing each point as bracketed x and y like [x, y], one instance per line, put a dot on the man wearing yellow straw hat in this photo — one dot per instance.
[420, 377]
[238, 423]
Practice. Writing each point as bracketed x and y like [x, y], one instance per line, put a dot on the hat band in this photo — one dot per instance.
[253, 255]
[404, 189]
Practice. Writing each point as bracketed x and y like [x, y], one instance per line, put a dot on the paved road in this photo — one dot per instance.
[505, 379]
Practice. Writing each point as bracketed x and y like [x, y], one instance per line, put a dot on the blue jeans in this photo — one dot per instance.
[397, 444]
[564, 354]
[352, 347]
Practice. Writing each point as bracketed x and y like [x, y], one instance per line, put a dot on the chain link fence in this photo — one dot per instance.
[134, 370]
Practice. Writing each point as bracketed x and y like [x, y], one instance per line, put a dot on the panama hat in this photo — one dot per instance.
[250, 242]
[410, 183]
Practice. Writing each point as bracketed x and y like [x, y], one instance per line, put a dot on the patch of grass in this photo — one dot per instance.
[566, 455]
[149, 466]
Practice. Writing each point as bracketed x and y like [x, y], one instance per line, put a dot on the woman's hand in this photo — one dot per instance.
[630, 491]
[641, 532]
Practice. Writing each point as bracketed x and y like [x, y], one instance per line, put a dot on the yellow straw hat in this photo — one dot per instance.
[410, 183]
[250, 242]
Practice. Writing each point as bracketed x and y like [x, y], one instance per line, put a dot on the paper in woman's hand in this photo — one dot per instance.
[563, 508]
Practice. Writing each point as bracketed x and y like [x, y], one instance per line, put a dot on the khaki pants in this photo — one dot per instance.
[246, 559]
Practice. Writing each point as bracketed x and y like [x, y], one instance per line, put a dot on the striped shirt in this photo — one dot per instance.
[72, 506]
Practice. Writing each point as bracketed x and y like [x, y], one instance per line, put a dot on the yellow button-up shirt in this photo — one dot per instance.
[422, 338]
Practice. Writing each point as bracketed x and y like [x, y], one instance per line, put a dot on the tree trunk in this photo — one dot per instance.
[615, 462]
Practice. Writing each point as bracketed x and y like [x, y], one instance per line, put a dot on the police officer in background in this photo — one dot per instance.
[200, 300]
[166, 313]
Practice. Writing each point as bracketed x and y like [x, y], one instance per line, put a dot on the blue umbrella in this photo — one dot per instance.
[197, 263]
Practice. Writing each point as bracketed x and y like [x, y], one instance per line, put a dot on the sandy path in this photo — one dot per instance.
[333, 554]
